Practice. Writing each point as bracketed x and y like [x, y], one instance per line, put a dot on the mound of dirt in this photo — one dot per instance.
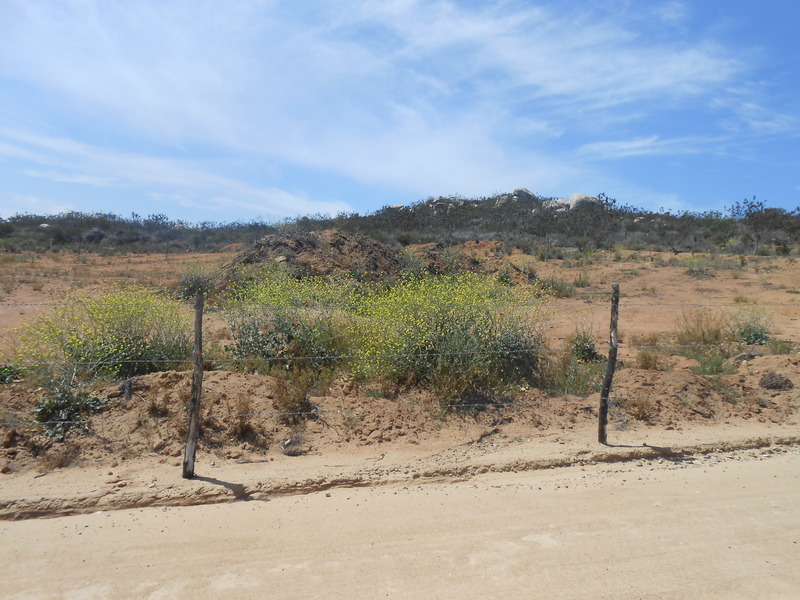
[333, 252]
[324, 253]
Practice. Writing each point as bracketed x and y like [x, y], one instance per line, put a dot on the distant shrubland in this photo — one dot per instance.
[524, 222]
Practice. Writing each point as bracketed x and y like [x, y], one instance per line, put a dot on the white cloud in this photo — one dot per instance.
[649, 146]
[30, 204]
[70, 177]
[199, 185]
[672, 13]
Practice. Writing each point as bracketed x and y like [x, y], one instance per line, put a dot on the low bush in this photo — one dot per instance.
[195, 276]
[562, 374]
[559, 288]
[65, 407]
[712, 363]
[285, 338]
[462, 336]
[120, 332]
[459, 335]
[750, 327]
[9, 373]
[582, 345]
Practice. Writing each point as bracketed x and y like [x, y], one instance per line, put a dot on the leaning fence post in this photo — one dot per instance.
[197, 388]
[610, 366]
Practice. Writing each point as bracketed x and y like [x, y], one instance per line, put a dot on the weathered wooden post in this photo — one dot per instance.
[610, 366]
[197, 388]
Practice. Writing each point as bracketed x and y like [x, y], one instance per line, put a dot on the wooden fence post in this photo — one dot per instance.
[610, 366]
[197, 388]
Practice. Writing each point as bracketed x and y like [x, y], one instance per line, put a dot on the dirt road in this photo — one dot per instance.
[716, 527]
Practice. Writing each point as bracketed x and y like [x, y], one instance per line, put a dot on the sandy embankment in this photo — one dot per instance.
[713, 524]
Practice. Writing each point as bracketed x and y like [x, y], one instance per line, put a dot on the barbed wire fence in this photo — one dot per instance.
[237, 363]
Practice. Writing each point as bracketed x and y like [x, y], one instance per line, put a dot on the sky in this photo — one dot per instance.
[209, 111]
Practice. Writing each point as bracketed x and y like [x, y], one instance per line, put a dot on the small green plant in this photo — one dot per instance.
[712, 363]
[505, 279]
[559, 288]
[582, 280]
[65, 406]
[583, 348]
[196, 276]
[9, 373]
[750, 327]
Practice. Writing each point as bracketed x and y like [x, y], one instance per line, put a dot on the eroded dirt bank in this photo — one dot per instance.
[156, 480]
[720, 525]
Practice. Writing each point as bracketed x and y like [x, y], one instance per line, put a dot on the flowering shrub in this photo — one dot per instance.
[461, 335]
[284, 321]
[119, 332]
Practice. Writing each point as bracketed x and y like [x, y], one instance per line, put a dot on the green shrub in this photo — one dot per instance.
[65, 407]
[195, 276]
[277, 320]
[460, 335]
[750, 327]
[562, 374]
[712, 363]
[9, 373]
[582, 346]
[120, 332]
[558, 287]
[285, 337]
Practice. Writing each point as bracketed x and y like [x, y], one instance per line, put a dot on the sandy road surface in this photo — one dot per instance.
[712, 528]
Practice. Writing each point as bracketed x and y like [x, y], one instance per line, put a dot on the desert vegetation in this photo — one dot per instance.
[455, 320]
[747, 227]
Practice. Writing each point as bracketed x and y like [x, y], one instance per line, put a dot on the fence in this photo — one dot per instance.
[158, 415]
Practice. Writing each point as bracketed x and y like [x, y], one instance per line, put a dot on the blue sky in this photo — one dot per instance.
[226, 111]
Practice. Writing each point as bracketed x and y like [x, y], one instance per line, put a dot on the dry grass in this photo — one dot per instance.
[640, 408]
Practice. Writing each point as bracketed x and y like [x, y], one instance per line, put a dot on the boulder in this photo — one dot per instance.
[524, 194]
[95, 235]
[501, 200]
[559, 204]
[583, 201]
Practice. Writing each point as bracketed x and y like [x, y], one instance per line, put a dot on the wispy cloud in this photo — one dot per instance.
[29, 204]
[425, 97]
[70, 178]
[650, 145]
[198, 185]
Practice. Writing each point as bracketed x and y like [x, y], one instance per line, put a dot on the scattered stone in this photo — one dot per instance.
[746, 357]
[10, 438]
